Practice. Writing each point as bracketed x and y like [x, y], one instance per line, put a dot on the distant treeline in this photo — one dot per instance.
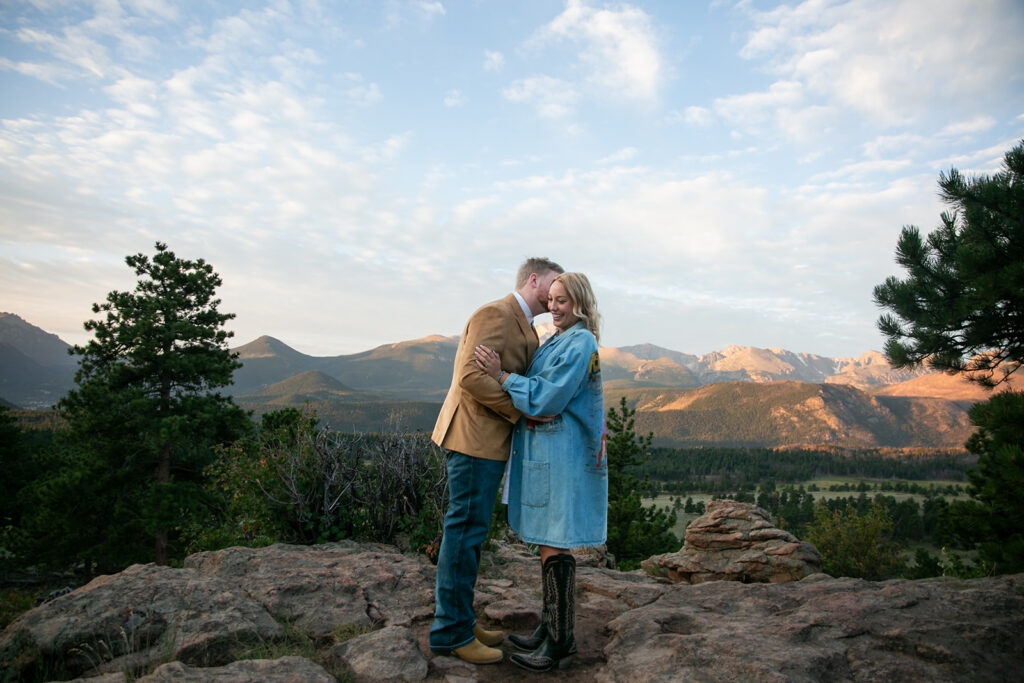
[48, 420]
[680, 470]
[912, 521]
[395, 417]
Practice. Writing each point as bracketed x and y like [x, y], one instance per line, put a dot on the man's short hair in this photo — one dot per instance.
[539, 265]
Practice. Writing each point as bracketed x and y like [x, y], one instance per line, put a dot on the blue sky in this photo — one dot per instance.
[361, 173]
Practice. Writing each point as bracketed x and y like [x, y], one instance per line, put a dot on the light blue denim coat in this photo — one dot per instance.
[558, 472]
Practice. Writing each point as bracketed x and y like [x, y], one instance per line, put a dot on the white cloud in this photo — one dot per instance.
[389, 149]
[893, 60]
[698, 116]
[619, 51]
[130, 89]
[624, 154]
[73, 47]
[493, 61]
[364, 94]
[807, 124]
[884, 145]
[985, 160]
[431, 7]
[751, 108]
[401, 12]
[553, 98]
[466, 212]
[242, 33]
[454, 98]
[48, 73]
[154, 8]
[865, 169]
[976, 124]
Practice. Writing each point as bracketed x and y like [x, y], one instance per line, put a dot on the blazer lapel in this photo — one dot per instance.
[524, 325]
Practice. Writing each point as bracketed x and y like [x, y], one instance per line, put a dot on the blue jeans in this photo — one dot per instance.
[472, 489]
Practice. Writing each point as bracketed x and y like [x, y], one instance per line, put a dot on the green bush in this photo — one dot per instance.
[298, 482]
[925, 565]
[855, 544]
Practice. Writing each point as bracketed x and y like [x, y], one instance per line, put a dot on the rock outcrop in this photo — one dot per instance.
[737, 542]
[362, 612]
[321, 588]
[824, 629]
[281, 670]
[133, 620]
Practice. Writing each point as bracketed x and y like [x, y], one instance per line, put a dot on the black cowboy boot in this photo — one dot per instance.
[532, 642]
[559, 644]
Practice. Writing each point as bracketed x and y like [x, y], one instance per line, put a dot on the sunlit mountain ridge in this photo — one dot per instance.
[735, 396]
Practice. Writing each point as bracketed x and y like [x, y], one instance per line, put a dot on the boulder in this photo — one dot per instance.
[390, 654]
[736, 541]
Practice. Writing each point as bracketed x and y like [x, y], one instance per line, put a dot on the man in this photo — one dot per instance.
[475, 429]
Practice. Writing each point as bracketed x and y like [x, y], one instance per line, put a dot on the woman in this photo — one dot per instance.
[558, 476]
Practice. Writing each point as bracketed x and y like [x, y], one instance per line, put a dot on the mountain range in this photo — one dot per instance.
[735, 396]
[36, 368]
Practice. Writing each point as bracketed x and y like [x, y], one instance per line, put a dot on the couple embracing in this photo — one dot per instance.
[535, 415]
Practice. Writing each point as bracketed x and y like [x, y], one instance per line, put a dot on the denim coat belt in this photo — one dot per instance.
[558, 471]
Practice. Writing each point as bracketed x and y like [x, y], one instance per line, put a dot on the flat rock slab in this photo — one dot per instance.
[133, 620]
[633, 589]
[323, 587]
[283, 670]
[822, 628]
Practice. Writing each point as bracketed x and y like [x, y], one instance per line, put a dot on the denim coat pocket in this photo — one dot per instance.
[536, 484]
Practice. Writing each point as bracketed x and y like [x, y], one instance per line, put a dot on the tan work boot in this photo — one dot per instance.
[489, 638]
[478, 653]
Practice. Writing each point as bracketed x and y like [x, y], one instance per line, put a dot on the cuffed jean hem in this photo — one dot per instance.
[472, 490]
[453, 648]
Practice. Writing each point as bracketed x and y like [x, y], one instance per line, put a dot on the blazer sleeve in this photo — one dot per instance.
[549, 391]
[491, 328]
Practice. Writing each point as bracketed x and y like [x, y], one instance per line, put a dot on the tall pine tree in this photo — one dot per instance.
[961, 309]
[146, 413]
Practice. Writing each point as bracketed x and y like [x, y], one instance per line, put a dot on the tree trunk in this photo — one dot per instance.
[163, 476]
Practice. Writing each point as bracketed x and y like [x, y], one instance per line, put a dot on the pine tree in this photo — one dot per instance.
[144, 417]
[635, 532]
[961, 308]
[996, 510]
[13, 465]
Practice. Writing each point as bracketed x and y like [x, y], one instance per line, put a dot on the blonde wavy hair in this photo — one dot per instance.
[584, 304]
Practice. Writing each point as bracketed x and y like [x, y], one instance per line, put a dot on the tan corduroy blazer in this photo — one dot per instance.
[477, 416]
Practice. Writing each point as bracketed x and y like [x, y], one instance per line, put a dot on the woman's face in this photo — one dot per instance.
[560, 304]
